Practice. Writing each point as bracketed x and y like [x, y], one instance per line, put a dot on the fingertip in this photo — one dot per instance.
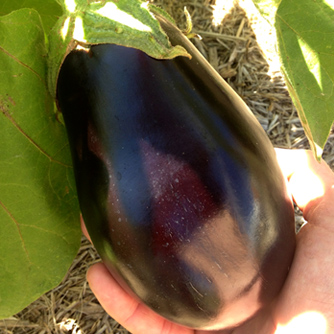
[95, 271]
[310, 181]
[112, 297]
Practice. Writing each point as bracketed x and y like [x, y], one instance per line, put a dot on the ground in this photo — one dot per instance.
[240, 46]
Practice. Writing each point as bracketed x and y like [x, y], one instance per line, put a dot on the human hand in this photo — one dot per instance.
[305, 304]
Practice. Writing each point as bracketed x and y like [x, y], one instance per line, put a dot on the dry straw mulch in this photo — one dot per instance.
[239, 45]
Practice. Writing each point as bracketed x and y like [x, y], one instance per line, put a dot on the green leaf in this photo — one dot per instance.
[39, 215]
[305, 34]
[129, 23]
[49, 10]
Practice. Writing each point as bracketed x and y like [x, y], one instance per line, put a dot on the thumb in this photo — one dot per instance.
[311, 183]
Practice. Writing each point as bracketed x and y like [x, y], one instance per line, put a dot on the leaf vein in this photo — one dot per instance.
[18, 230]
[58, 235]
[11, 119]
[22, 64]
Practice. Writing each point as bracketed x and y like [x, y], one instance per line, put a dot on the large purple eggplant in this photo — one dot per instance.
[177, 182]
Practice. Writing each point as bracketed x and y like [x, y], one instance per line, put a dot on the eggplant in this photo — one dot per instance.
[178, 184]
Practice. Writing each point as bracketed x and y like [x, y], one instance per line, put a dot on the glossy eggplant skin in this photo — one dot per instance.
[177, 182]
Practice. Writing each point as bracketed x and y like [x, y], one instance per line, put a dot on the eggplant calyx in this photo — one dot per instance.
[129, 23]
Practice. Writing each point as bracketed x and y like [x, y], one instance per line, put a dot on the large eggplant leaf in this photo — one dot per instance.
[305, 34]
[39, 215]
[49, 10]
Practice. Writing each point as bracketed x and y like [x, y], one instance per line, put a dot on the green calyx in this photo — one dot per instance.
[129, 23]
